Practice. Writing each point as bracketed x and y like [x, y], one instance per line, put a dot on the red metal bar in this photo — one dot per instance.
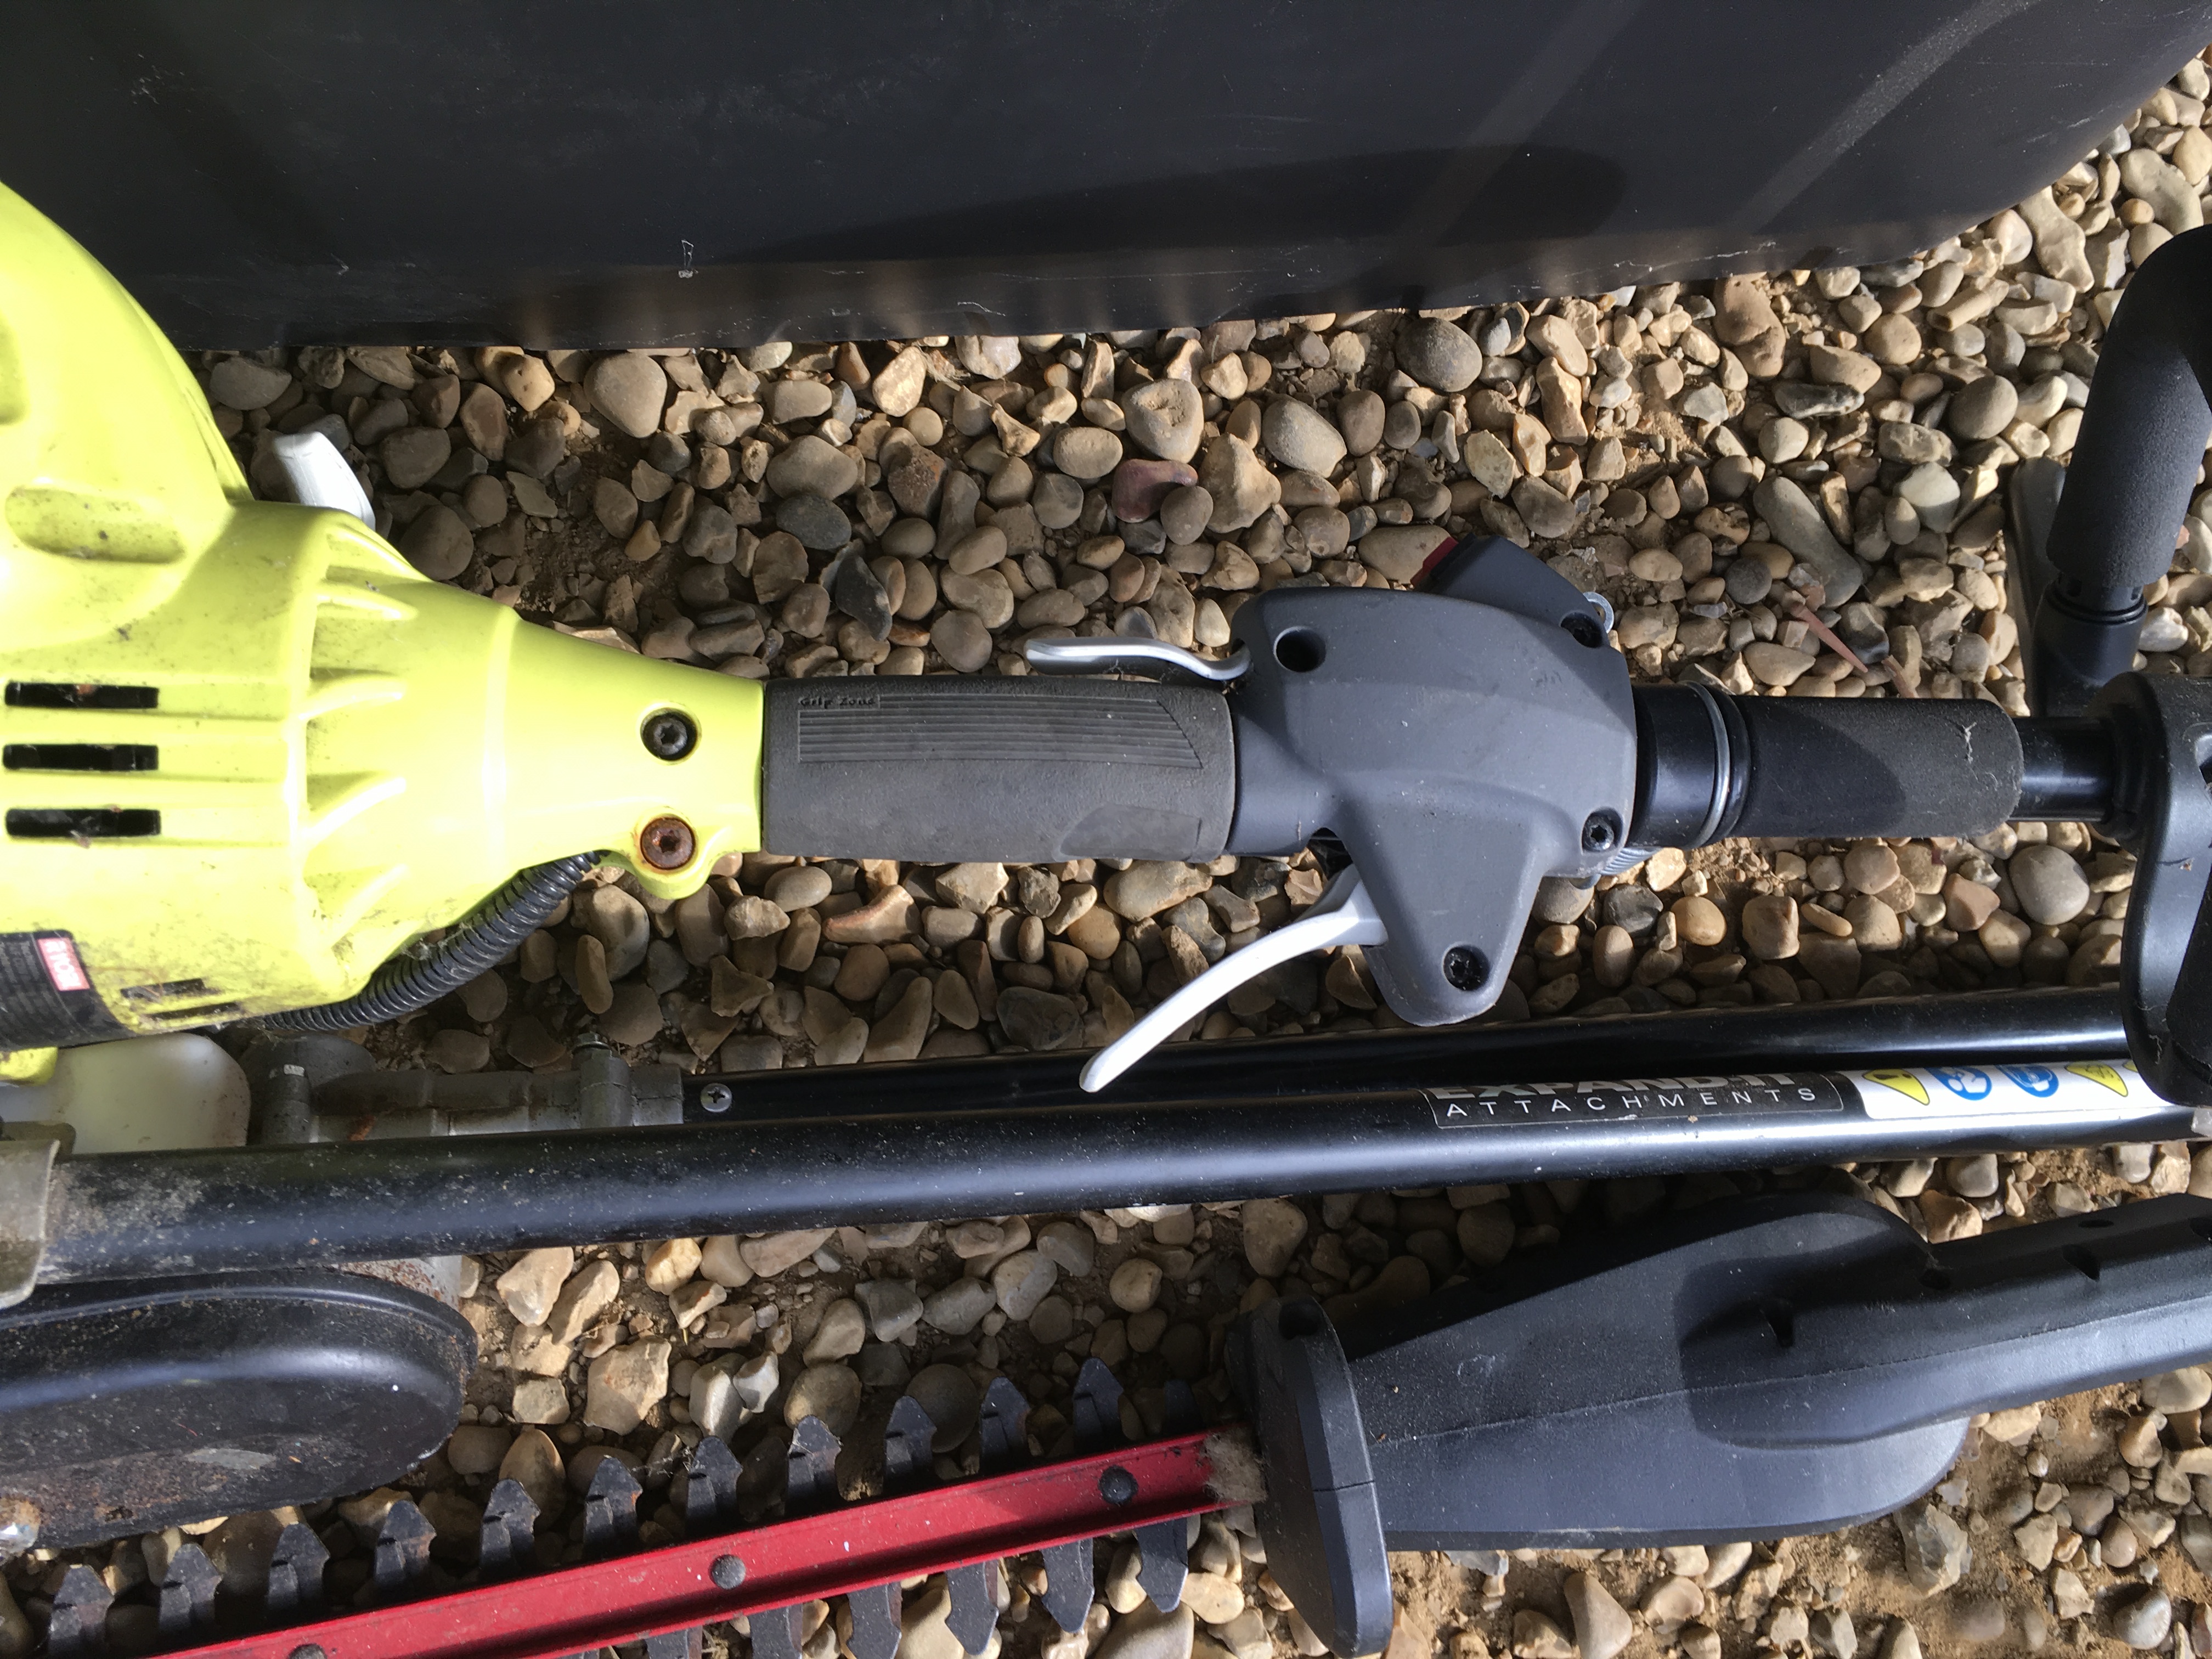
[552, 1615]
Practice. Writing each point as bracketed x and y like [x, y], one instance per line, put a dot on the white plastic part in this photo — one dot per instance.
[153, 1094]
[1342, 916]
[319, 477]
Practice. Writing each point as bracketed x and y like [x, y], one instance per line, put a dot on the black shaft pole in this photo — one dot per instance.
[1888, 1032]
[761, 1165]
[2070, 769]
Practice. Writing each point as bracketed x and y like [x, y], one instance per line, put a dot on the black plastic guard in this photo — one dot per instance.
[1320, 1523]
[1788, 1365]
[1502, 149]
[126, 1408]
[1587, 1412]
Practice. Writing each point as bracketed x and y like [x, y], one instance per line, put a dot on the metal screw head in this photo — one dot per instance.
[1117, 1485]
[666, 843]
[1602, 831]
[716, 1097]
[309, 1650]
[727, 1572]
[669, 735]
[1466, 968]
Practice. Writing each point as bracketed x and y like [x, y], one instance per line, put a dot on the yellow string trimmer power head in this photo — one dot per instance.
[251, 753]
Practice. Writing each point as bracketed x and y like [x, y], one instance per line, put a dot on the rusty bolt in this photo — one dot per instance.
[667, 843]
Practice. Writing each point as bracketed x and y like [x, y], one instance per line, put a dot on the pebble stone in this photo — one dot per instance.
[1086, 452]
[622, 1384]
[830, 1392]
[529, 1287]
[240, 383]
[1273, 1229]
[844, 1331]
[1438, 355]
[1164, 418]
[2143, 1620]
[1603, 1627]
[2050, 886]
[1982, 408]
[950, 1397]
[534, 1461]
[1148, 1633]
[628, 388]
[1301, 438]
[1136, 1285]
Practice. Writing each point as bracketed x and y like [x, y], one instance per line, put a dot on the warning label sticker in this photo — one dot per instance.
[65, 972]
[1618, 1100]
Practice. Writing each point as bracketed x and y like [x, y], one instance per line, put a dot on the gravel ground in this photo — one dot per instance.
[1785, 484]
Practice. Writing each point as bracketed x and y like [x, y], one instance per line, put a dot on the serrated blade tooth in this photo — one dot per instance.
[1180, 1414]
[811, 1467]
[1163, 1561]
[710, 1496]
[79, 1625]
[776, 1633]
[295, 1571]
[508, 1543]
[907, 1443]
[1003, 1425]
[1097, 1408]
[875, 1621]
[402, 1549]
[187, 1596]
[979, 1596]
[674, 1644]
[1067, 1583]
[611, 1508]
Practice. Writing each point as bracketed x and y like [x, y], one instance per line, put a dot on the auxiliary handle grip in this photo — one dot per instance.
[942, 770]
[1709, 766]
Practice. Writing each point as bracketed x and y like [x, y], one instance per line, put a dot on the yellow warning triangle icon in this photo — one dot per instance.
[2105, 1075]
[1904, 1082]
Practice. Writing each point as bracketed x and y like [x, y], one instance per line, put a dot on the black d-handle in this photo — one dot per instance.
[2142, 439]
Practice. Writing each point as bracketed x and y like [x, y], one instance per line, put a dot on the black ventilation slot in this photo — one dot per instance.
[175, 990]
[81, 823]
[81, 757]
[38, 694]
[204, 1015]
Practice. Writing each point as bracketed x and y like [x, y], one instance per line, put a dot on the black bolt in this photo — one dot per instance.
[727, 1572]
[1584, 629]
[309, 1650]
[1466, 968]
[1117, 1485]
[669, 735]
[716, 1097]
[1601, 832]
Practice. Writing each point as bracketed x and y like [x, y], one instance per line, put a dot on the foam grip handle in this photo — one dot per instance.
[1032, 769]
[1839, 767]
